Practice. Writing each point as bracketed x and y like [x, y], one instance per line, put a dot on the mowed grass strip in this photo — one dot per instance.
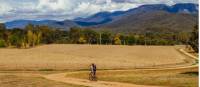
[171, 78]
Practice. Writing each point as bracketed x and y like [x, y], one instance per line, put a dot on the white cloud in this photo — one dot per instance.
[68, 9]
[88, 8]
[53, 4]
[4, 8]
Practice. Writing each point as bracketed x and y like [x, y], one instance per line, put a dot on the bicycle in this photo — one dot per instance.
[92, 77]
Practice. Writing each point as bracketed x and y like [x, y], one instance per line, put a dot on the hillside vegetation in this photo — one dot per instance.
[156, 21]
[32, 36]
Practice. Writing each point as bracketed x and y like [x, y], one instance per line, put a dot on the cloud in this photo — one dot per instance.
[68, 9]
[169, 2]
[5, 8]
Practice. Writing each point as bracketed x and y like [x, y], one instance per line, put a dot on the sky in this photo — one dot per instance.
[68, 9]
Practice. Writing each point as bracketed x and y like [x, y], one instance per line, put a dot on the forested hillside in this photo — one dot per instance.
[31, 36]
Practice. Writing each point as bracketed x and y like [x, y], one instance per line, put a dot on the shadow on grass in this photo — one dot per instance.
[191, 73]
[46, 70]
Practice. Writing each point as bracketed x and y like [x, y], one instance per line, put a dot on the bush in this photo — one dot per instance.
[2, 43]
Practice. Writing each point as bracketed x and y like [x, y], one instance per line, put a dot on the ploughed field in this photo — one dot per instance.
[76, 57]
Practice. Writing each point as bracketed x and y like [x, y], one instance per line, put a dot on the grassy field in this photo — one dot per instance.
[29, 80]
[47, 58]
[76, 57]
[170, 78]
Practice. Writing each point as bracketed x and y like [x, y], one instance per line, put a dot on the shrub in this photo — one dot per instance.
[2, 43]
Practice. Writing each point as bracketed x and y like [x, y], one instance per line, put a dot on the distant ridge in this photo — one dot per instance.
[157, 21]
[181, 16]
[52, 23]
[103, 17]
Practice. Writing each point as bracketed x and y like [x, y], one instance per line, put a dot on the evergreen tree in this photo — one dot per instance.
[194, 39]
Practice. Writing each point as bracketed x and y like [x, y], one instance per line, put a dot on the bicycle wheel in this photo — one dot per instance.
[90, 77]
[94, 78]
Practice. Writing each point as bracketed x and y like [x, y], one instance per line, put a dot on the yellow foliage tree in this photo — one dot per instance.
[82, 40]
[29, 38]
[34, 40]
[117, 40]
[23, 43]
[39, 36]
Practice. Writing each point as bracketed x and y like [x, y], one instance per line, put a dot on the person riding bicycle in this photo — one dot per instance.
[93, 70]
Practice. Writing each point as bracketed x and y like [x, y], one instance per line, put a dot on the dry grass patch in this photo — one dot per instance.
[76, 57]
[12, 80]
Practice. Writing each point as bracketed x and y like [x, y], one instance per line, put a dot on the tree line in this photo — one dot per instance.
[32, 35]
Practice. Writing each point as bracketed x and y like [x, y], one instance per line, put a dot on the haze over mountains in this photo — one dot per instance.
[182, 16]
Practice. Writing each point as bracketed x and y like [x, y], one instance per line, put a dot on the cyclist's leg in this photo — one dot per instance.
[90, 76]
[93, 75]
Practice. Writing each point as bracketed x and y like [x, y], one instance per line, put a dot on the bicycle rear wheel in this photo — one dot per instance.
[90, 77]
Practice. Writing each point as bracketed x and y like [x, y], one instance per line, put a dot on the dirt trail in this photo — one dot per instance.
[61, 77]
[188, 54]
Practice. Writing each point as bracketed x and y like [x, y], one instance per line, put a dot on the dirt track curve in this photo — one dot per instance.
[61, 77]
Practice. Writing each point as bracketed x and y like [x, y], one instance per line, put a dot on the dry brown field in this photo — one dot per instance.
[76, 57]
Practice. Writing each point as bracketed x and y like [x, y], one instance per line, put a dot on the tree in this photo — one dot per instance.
[105, 37]
[2, 30]
[2, 33]
[39, 36]
[117, 40]
[30, 38]
[74, 34]
[6, 36]
[123, 39]
[30, 27]
[184, 37]
[131, 40]
[2, 43]
[46, 36]
[34, 37]
[90, 36]
[141, 40]
[82, 40]
[194, 39]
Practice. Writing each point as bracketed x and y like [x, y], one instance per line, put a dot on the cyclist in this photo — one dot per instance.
[93, 71]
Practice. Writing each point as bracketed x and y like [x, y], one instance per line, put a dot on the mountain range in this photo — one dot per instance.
[181, 16]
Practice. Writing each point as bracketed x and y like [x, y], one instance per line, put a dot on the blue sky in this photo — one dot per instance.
[68, 9]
